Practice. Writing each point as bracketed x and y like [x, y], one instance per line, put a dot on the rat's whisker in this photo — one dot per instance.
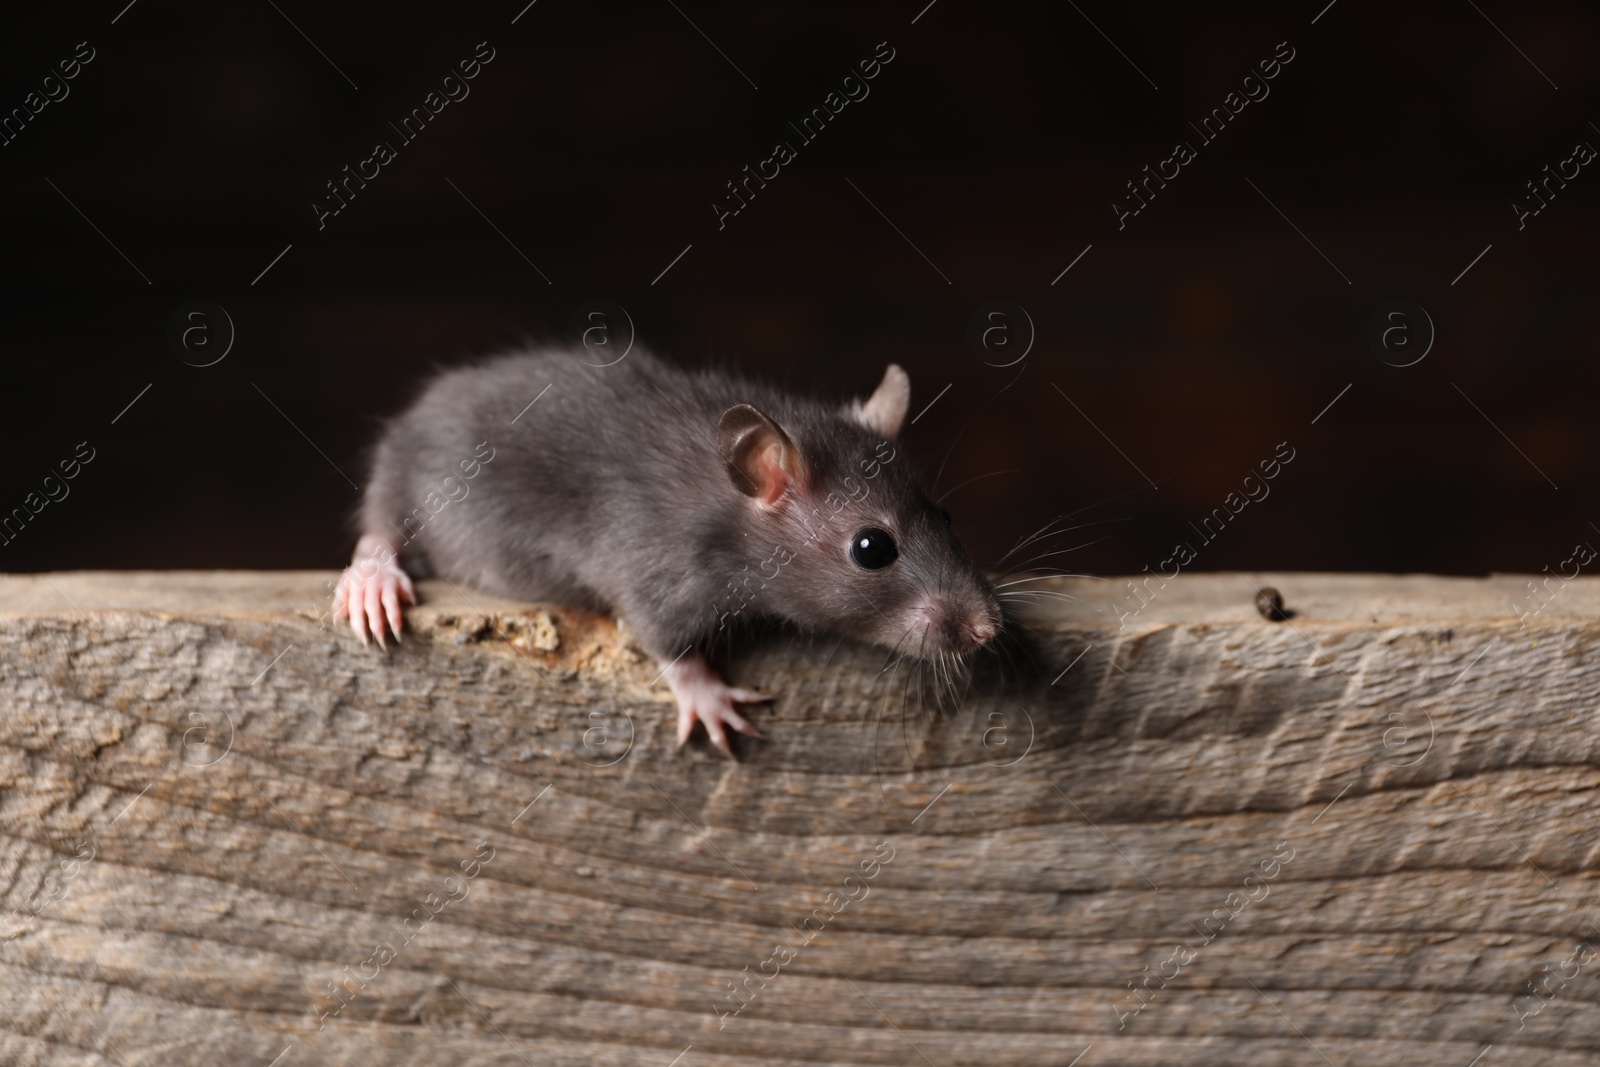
[1055, 572]
[969, 422]
[1043, 577]
[1001, 647]
[1023, 594]
[1025, 564]
[897, 659]
[1009, 593]
[962, 485]
[1044, 533]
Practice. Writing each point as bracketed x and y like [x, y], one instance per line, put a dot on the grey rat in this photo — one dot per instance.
[683, 501]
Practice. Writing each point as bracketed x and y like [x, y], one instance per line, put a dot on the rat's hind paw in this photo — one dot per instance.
[704, 697]
[370, 592]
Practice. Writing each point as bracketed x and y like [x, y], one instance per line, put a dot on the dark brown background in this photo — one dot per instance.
[1196, 339]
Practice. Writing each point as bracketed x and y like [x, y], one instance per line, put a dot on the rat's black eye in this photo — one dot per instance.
[873, 548]
[945, 515]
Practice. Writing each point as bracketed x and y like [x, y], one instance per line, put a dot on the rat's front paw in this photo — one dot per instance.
[715, 709]
[704, 697]
[370, 592]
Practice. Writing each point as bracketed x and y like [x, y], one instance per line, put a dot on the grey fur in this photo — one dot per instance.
[610, 492]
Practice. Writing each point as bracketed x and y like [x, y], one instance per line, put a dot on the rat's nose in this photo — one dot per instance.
[957, 627]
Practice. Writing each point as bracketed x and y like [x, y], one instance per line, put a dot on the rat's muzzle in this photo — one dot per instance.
[948, 625]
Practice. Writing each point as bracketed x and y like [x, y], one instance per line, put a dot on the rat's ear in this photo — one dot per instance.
[885, 409]
[762, 461]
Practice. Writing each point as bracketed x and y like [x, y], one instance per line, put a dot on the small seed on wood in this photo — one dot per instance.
[1269, 602]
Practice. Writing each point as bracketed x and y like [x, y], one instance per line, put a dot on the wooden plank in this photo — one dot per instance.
[215, 806]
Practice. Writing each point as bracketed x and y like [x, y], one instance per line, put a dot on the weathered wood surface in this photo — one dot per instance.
[213, 807]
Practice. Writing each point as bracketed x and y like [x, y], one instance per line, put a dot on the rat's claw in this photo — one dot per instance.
[374, 607]
[391, 609]
[686, 721]
[370, 593]
[704, 697]
[718, 736]
[358, 619]
[715, 720]
[740, 723]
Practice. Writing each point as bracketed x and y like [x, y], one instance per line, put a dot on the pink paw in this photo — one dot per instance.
[371, 590]
[704, 697]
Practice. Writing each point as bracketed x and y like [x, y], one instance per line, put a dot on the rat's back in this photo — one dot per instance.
[542, 476]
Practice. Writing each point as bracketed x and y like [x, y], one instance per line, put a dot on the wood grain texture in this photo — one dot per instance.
[215, 807]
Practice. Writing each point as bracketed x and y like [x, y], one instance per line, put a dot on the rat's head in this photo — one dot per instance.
[846, 539]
